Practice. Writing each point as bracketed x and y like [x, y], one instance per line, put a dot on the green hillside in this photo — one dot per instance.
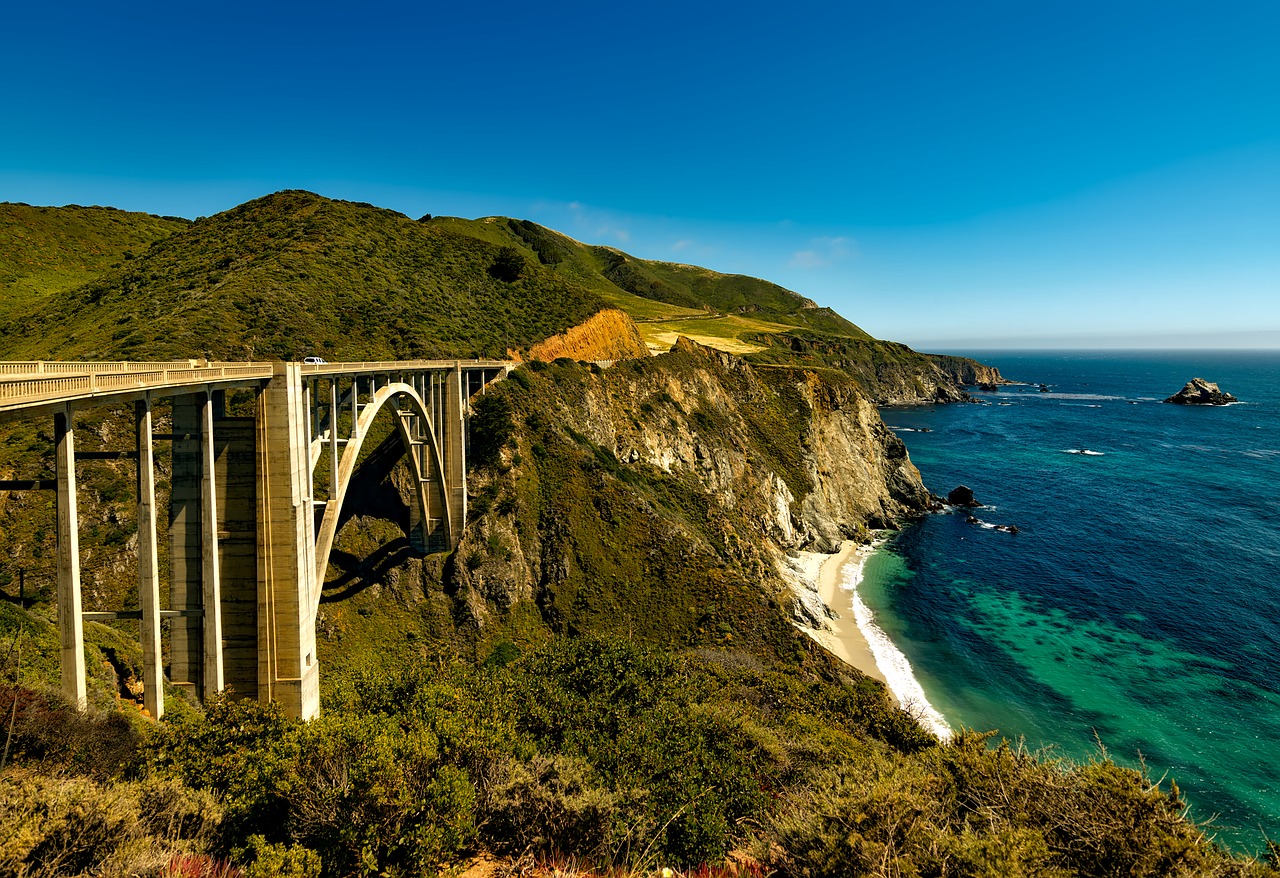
[293, 274]
[46, 250]
[667, 298]
[767, 323]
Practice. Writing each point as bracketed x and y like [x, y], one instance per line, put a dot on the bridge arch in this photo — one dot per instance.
[400, 396]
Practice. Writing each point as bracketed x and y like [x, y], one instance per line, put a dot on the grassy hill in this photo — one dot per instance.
[743, 315]
[667, 298]
[293, 274]
[47, 250]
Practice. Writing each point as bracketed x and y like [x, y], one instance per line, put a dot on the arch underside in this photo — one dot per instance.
[425, 458]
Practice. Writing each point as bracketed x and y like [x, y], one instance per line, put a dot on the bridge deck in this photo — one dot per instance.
[33, 388]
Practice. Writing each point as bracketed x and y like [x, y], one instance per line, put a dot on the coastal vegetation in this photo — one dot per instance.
[605, 677]
[591, 750]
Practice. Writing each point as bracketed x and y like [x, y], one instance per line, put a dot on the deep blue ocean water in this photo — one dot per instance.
[1139, 605]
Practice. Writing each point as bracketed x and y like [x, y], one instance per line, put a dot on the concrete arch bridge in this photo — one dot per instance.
[255, 501]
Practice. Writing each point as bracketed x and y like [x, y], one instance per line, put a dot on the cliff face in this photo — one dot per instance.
[890, 373]
[963, 370]
[667, 492]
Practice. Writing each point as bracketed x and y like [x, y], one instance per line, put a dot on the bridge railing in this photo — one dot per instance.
[20, 388]
[399, 366]
[63, 367]
[41, 381]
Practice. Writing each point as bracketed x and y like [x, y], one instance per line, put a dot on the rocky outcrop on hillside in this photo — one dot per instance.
[643, 488]
[890, 373]
[966, 371]
[1198, 391]
[607, 335]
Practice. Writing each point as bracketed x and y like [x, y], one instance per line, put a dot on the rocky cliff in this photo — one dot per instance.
[967, 372]
[660, 496]
[890, 373]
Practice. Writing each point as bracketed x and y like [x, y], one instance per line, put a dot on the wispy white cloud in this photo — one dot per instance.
[682, 244]
[822, 252]
[597, 225]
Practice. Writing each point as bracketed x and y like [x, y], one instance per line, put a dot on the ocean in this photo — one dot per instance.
[1138, 605]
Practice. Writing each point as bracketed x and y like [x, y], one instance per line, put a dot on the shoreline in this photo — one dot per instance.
[845, 639]
[841, 622]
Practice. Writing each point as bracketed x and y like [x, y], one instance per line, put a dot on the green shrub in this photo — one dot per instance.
[70, 826]
[240, 749]
[49, 733]
[549, 805]
[632, 715]
[372, 792]
[968, 809]
[261, 859]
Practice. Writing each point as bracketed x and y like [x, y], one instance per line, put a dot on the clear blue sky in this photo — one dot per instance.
[946, 174]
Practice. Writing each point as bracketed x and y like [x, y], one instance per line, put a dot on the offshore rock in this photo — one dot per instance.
[962, 495]
[1197, 391]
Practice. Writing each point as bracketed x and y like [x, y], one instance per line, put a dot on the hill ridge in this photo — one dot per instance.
[294, 273]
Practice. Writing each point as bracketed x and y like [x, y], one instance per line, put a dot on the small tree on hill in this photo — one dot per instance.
[508, 265]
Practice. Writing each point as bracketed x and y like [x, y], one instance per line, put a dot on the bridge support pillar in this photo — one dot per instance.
[148, 566]
[210, 568]
[455, 453]
[70, 613]
[288, 671]
[186, 594]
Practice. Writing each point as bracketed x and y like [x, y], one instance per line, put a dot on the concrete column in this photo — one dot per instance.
[288, 593]
[185, 561]
[70, 618]
[235, 476]
[333, 437]
[313, 414]
[453, 441]
[211, 589]
[148, 566]
[355, 403]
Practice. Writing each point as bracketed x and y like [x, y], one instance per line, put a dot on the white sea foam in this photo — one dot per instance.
[1084, 451]
[892, 663]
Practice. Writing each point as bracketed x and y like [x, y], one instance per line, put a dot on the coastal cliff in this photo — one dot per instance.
[966, 371]
[642, 491]
[890, 373]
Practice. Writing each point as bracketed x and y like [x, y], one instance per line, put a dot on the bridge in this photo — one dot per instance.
[254, 502]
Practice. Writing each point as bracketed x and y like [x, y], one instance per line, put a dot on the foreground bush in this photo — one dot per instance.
[970, 810]
[50, 733]
[600, 753]
[56, 826]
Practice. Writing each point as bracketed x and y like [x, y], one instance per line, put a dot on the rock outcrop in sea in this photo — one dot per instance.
[1197, 391]
[962, 495]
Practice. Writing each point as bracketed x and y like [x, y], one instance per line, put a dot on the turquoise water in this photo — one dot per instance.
[1139, 604]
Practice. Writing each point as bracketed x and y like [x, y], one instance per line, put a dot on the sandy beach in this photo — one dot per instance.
[826, 602]
[829, 610]
[845, 640]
